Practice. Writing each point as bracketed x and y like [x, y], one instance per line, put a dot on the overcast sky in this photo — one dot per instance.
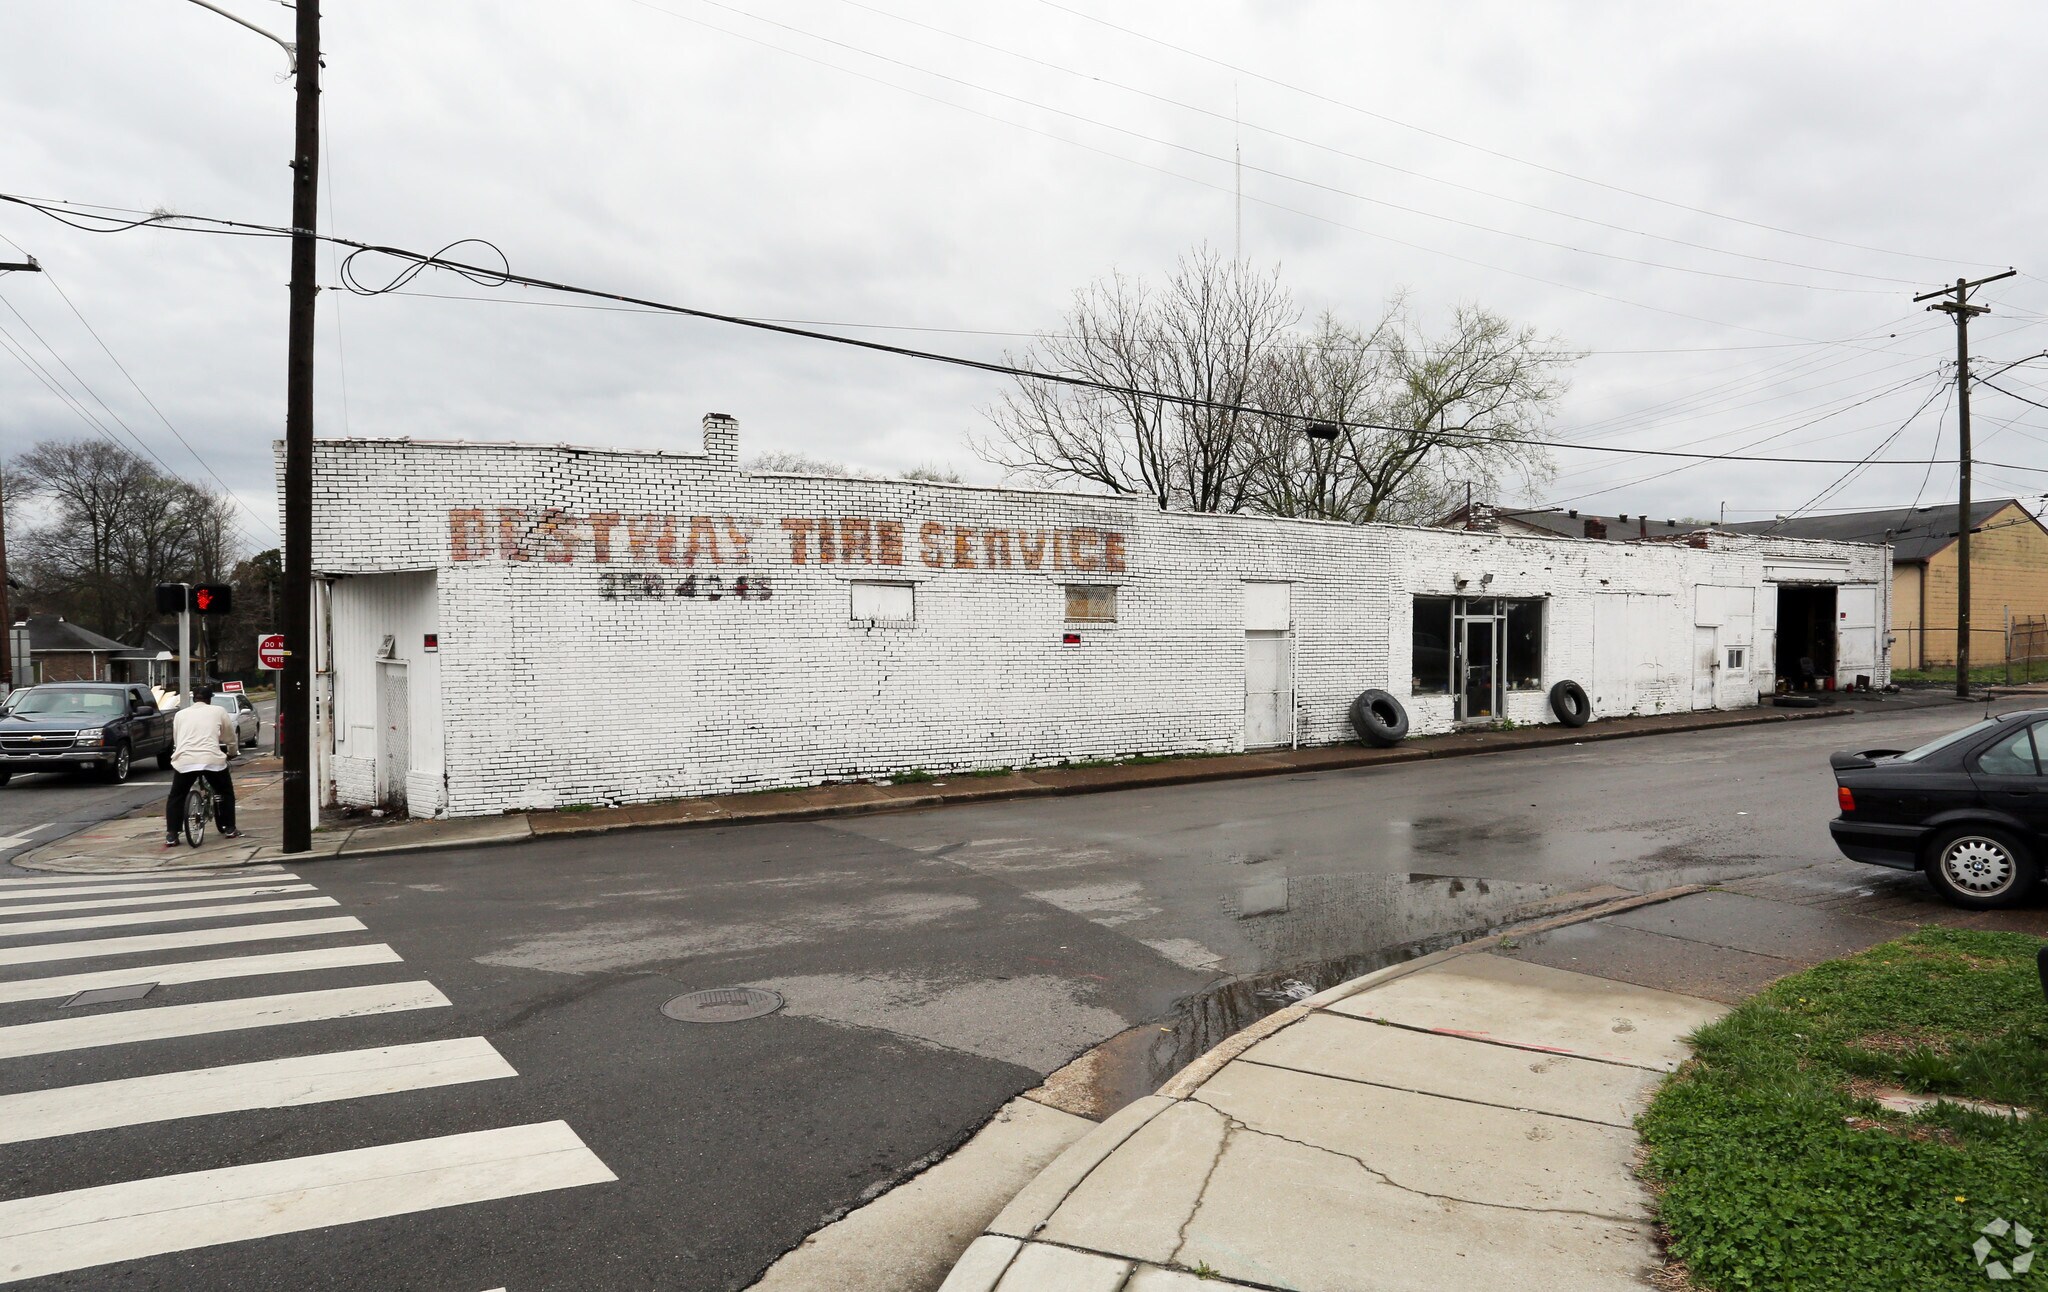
[918, 165]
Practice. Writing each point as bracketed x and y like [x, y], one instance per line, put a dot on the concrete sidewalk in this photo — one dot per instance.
[135, 842]
[1462, 1120]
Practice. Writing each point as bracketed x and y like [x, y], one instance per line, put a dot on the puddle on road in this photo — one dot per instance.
[1136, 1062]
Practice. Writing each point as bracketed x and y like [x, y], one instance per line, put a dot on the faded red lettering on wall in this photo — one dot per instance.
[466, 534]
[557, 536]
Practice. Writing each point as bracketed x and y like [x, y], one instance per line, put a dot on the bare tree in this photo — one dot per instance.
[1464, 405]
[1198, 337]
[1418, 418]
[111, 527]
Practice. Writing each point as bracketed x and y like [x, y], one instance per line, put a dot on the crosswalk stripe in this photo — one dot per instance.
[157, 899]
[125, 1027]
[16, 928]
[237, 872]
[174, 1213]
[153, 886]
[273, 1083]
[198, 971]
[44, 952]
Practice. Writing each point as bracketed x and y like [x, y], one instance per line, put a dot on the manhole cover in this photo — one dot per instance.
[723, 1005]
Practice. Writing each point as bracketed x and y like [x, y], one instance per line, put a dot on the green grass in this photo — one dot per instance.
[1774, 1174]
[915, 776]
[576, 807]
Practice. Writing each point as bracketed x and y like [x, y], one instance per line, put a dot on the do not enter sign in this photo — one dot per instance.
[270, 650]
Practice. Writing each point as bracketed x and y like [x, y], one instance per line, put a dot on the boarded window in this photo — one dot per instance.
[1268, 607]
[1432, 649]
[1091, 603]
[888, 603]
[1524, 629]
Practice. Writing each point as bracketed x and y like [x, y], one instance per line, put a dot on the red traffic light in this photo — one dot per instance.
[213, 599]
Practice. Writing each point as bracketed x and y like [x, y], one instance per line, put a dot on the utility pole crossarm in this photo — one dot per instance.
[1961, 286]
[28, 266]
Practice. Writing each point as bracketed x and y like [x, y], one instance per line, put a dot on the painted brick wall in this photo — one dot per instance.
[584, 658]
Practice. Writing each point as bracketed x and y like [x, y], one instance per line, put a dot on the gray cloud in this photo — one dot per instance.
[615, 145]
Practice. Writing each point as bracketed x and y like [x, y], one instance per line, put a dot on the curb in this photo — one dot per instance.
[1028, 1211]
[1193, 774]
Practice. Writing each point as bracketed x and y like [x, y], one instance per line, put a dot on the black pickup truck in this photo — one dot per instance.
[72, 726]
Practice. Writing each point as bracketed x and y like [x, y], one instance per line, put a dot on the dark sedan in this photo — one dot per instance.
[1970, 809]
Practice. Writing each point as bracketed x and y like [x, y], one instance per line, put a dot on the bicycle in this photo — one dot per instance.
[199, 809]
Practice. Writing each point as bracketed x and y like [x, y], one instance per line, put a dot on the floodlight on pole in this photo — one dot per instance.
[1320, 430]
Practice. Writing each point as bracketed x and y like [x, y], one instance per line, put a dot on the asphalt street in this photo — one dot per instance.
[42, 807]
[934, 965]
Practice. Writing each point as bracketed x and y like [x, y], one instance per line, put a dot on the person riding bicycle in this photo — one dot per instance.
[203, 739]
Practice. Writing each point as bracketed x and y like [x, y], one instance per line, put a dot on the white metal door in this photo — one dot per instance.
[1268, 689]
[1706, 665]
[1856, 631]
[394, 735]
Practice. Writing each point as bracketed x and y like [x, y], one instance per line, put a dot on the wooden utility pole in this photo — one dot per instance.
[295, 698]
[28, 266]
[1958, 307]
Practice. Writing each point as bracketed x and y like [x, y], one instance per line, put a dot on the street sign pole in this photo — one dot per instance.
[185, 646]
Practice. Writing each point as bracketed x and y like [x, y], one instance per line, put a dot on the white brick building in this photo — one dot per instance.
[513, 626]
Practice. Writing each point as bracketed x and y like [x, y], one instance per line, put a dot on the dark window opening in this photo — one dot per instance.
[1432, 646]
[1525, 645]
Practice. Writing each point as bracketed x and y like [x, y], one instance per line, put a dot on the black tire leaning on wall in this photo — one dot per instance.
[1569, 702]
[1379, 719]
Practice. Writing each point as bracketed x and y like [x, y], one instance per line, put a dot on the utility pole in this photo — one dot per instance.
[295, 698]
[28, 266]
[1959, 308]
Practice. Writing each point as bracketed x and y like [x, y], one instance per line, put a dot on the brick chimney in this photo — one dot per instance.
[1595, 527]
[722, 438]
[1643, 528]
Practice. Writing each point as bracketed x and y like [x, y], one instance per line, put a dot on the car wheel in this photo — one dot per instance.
[117, 771]
[1980, 868]
[5, 776]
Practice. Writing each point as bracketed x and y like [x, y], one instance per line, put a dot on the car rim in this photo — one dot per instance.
[121, 764]
[1978, 866]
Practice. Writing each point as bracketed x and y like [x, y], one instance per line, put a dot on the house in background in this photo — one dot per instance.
[2008, 576]
[61, 651]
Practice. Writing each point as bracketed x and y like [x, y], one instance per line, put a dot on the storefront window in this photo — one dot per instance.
[1525, 645]
[1432, 646]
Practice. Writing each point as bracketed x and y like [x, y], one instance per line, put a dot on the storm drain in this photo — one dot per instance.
[723, 1005]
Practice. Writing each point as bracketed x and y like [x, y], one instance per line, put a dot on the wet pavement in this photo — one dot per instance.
[937, 964]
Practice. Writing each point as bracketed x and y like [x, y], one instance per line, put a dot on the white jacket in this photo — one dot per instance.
[202, 735]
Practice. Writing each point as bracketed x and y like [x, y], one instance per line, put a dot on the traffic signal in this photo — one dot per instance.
[170, 598]
[213, 598]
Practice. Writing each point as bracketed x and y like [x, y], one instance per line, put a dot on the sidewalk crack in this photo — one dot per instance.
[1233, 1125]
[1230, 1128]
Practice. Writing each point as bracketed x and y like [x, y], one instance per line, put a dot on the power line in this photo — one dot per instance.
[1490, 152]
[204, 465]
[417, 262]
[1360, 157]
[140, 443]
[1265, 202]
[1020, 335]
[1864, 465]
[1193, 151]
